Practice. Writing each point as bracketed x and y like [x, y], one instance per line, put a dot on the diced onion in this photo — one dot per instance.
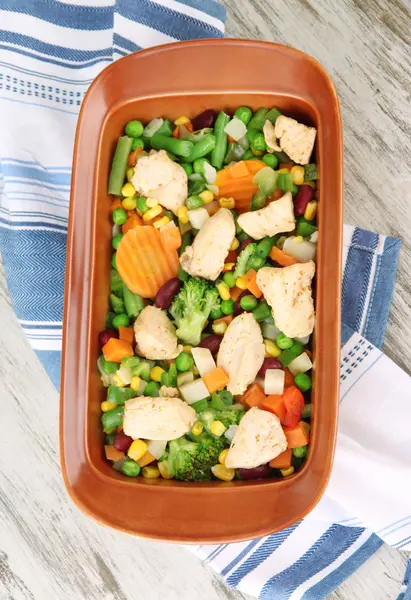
[157, 447]
[116, 229]
[304, 340]
[270, 331]
[185, 377]
[210, 173]
[274, 381]
[203, 359]
[197, 217]
[235, 129]
[214, 189]
[125, 375]
[314, 237]
[152, 127]
[231, 431]
[194, 391]
[302, 251]
[141, 388]
[301, 364]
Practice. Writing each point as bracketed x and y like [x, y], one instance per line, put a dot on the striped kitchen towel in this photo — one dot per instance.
[49, 54]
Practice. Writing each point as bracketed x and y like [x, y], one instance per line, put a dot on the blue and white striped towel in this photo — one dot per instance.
[50, 51]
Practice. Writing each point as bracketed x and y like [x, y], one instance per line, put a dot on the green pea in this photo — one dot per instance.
[187, 168]
[142, 205]
[306, 412]
[198, 165]
[256, 262]
[194, 202]
[249, 155]
[119, 216]
[283, 341]
[248, 302]
[114, 261]
[116, 240]
[303, 382]
[271, 160]
[121, 319]
[243, 236]
[258, 144]
[137, 143]
[152, 389]
[216, 313]
[229, 279]
[227, 306]
[300, 451]
[109, 320]
[134, 129]
[244, 114]
[184, 361]
[130, 468]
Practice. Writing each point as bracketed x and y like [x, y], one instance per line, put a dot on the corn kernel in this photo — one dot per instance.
[150, 472]
[151, 202]
[106, 406]
[183, 120]
[311, 183]
[311, 210]
[223, 473]
[128, 190]
[298, 239]
[182, 214]
[219, 328]
[110, 431]
[207, 196]
[280, 242]
[217, 428]
[228, 267]
[129, 173]
[222, 456]
[155, 374]
[282, 171]
[197, 428]
[298, 174]
[287, 472]
[234, 245]
[164, 470]
[135, 383]
[161, 222]
[223, 290]
[137, 449]
[241, 283]
[227, 203]
[152, 213]
[187, 349]
[117, 381]
[129, 203]
[271, 348]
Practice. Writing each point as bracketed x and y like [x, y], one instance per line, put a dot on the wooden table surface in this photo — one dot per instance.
[48, 549]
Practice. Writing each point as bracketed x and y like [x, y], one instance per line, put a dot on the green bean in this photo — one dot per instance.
[194, 202]
[282, 157]
[255, 262]
[258, 200]
[306, 412]
[119, 165]
[109, 367]
[112, 418]
[201, 148]
[235, 152]
[198, 165]
[262, 312]
[273, 115]
[249, 155]
[183, 275]
[130, 468]
[116, 284]
[258, 144]
[133, 303]
[288, 355]
[130, 362]
[187, 168]
[244, 114]
[252, 134]
[285, 182]
[258, 119]
[152, 389]
[116, 304]
[185, 241]
[116, 240]
[114, 261]
[172, 375]
[134, 129]
[305, 228]
[264, 247]
[179, 147]
[109, 320]
[219, 151]
[119, 395]
[167, 128]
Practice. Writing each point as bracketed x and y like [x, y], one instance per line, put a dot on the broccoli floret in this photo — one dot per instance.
[242, 260]
[229, 416]
[191, 308]
[192, 461]
[310, 171]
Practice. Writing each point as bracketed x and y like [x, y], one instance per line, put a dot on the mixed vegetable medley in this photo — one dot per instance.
[205, 355]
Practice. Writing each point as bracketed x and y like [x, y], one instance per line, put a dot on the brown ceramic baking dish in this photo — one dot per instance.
[185, 78]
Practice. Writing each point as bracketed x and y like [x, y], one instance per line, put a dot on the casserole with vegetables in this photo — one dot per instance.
[206, 354]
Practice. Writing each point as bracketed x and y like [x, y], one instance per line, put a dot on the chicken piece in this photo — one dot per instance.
[159, 418]
[157, 176]
[277, 217]
[288, 292]
[241, 352]
[205, 258]
[258, 439]
[270, 137]
[155, 334]
[296, 140]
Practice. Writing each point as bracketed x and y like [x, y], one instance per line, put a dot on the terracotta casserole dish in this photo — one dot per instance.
[218, 74]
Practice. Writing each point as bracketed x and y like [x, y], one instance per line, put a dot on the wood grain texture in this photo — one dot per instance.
[48, 549]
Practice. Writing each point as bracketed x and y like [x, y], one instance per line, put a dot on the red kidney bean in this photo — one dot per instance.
[107, 334]
[303, 197]
[167, 292]
[269, 363]
[205, 119]
[122, 442]
[212, 343]
[245, 243]
[256, 473]
[238, 310]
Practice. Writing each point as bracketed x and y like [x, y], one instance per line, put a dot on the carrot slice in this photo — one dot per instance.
[282, 461]
[252, 285]
[288, 166]
[288, 379]
[275, 404]
[227, 319]
[298, 435]
[146, 459]
[126, 334]
[281, 257]
[240, 187]
[253, 396]
[276, 196]
[171, 238]
[143, 262]
[115, 350]
[112, 453]
[116, 203]
[239, 169]
[132, 157]
[133, 221]
[216, 379]
[235, 293]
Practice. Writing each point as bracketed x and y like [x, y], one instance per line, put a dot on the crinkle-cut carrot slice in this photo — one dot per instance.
[143, 262]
